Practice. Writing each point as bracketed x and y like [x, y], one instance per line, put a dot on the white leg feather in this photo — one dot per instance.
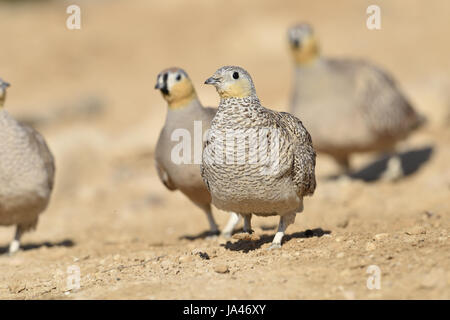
[285, 221]
[14, 246]
[231, 224]
[394, 169]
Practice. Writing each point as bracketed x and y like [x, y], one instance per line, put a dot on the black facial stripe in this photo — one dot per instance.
[164, 89]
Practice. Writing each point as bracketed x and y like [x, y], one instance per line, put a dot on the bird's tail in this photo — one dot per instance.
[419, 122]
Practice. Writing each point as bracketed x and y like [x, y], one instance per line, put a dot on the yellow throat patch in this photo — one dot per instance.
[181, 94]
[307, 53]
[238, 89]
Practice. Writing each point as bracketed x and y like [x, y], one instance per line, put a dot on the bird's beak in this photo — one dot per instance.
[212, 80]
[295, 43]
[162, 87]
[5, 85]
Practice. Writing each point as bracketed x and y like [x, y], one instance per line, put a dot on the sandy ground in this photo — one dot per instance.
[90, 92]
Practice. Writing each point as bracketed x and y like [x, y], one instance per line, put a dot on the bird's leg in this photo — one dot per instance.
[394, 169]
[285, 221]
[248, 224]
[212, 223]
[344, 166]
[231, 224]
[15, 243]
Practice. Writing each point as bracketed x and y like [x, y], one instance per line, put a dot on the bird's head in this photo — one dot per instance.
[3, 86]
[176, 87]
[303, 43]
[232, 82]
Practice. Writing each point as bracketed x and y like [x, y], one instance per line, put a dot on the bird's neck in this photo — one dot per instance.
[182, 102]
[186, 111]
[237, 112]
[237, 103]
[311, 63]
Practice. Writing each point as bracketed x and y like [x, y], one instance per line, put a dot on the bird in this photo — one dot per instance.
[185, 115]
[256, 161]
[27, 173]
[348, 105]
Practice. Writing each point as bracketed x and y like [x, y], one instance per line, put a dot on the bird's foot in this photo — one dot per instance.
[14, 247]
[394, 170]
[344, 178]
[226, 235]
[274, 246]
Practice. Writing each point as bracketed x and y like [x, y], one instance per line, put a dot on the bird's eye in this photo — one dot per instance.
[178, 77]
[235, 75]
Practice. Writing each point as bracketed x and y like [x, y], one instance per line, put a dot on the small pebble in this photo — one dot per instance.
[370, 246]
[381, 236]
[221, 268]
[246, 236]
[343, 224]
[165, 264]
[185, 258]
[416, 230]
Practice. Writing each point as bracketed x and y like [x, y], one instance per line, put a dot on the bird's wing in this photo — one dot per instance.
[386, 109]
[159, 162]
[303, 154]
[164, 176]
[37, 140]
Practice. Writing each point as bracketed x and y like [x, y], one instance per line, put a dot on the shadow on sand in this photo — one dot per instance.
[411, 162]
[249, 245]
[208, 234]
[200, 236]
[31, 246]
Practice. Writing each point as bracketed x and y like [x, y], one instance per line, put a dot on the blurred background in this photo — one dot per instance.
[90, 92]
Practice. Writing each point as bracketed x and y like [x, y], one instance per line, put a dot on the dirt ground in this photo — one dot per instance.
[90, 92]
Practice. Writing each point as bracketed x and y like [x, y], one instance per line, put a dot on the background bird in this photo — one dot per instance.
[183, 114]
[348, 105]
[27, 173]
[256, 161]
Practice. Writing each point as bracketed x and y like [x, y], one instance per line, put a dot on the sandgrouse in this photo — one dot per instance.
[27, 172]
[185, 115]
[255, 160]
[348, 106]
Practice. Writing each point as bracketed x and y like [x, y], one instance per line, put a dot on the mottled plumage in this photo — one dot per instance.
[270, 166]
[184, 109]
[347, 105]
[26, 175]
